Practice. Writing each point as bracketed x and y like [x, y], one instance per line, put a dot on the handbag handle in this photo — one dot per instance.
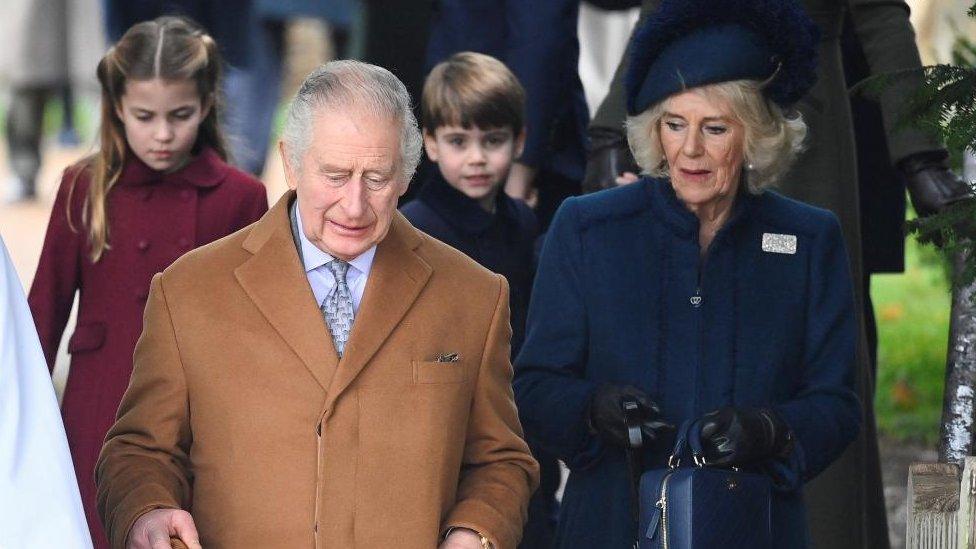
[688, 438]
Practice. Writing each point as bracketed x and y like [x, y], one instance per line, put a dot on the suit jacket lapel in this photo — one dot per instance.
[396, 279]
[275, 281]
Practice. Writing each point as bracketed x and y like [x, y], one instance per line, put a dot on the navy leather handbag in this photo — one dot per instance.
[690, 505]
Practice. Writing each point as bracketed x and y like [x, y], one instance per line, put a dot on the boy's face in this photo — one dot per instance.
[474, 161]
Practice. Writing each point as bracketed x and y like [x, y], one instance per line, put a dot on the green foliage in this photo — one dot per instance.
[912, 311]
[947, 104]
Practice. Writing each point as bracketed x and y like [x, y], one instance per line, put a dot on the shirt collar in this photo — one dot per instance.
[314, 257]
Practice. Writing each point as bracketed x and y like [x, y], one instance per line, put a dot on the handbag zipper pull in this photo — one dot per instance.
[655, 520]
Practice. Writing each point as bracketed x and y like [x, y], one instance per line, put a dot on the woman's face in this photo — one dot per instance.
[161, 119]
[703, 144]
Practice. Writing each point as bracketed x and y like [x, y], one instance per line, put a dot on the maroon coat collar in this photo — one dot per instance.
[205, 170]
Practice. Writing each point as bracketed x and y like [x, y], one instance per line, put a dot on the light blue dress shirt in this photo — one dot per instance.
[320, 278]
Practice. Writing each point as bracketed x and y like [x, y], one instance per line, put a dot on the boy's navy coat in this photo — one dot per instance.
[614, 302]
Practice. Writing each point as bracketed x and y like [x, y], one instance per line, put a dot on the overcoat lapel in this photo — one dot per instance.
[274, 280]
[396, 279]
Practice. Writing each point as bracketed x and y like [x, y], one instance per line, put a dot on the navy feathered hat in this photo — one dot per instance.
[690, 43]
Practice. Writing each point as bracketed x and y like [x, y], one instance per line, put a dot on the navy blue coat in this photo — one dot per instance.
[537, 40]
[612, 304]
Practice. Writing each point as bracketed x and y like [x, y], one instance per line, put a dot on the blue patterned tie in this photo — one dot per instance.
[337, 306]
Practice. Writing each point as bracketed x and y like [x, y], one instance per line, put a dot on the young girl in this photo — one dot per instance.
[158, 187]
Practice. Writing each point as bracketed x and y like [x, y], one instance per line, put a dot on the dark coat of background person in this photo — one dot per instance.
[537, 40]
[614, 302]
[502, 242]
[846, 503]
[222, 23]
[881, 186]
[154, 219]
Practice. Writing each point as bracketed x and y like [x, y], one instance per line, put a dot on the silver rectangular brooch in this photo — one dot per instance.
[779, 243]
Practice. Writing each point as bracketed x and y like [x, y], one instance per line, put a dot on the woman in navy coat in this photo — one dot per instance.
[695, 291]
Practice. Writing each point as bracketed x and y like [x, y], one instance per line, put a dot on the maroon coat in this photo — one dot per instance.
[154, 218]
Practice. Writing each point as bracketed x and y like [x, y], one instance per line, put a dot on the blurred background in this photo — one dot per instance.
[48, 118]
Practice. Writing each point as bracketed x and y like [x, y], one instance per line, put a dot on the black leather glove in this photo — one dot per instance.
[931, 184]
[608, 157]
[609, 421]
[742, 436]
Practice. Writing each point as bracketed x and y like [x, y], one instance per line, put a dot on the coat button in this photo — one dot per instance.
[143, 245]
[696, 301]
[185, 195]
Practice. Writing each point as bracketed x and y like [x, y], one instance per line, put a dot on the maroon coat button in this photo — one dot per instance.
[143, 245]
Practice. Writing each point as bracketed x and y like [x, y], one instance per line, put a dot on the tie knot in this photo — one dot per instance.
[339, 269]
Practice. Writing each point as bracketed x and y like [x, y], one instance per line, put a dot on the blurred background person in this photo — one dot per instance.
[52, 41]
[157, 187]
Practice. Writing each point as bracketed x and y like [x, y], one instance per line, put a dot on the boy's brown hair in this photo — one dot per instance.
[472, 89]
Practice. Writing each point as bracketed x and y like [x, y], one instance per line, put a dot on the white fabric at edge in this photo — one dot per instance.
[39, 501]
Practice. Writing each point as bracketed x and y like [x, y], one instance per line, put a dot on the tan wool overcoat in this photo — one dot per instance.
[240, 411]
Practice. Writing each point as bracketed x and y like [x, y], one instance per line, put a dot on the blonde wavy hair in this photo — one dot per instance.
[773, 138]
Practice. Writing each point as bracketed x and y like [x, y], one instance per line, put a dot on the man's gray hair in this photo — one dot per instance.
[348, 84]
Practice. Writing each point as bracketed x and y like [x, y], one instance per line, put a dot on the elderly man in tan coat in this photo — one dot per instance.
[328, 376]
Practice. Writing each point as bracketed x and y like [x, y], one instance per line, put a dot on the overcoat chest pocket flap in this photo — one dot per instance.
[89, 336]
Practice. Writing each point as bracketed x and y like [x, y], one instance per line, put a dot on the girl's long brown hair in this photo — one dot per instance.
[170, 48]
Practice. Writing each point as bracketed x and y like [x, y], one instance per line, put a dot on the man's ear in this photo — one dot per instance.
[290, 175]
[520, 142]
[430, 145]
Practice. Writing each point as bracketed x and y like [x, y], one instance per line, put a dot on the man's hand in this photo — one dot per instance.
[521, 183]
[153, 530]
[461, 538]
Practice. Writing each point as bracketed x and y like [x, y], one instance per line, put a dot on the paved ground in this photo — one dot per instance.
[22, 227]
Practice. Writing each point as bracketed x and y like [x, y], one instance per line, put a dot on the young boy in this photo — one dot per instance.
[472, 117]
